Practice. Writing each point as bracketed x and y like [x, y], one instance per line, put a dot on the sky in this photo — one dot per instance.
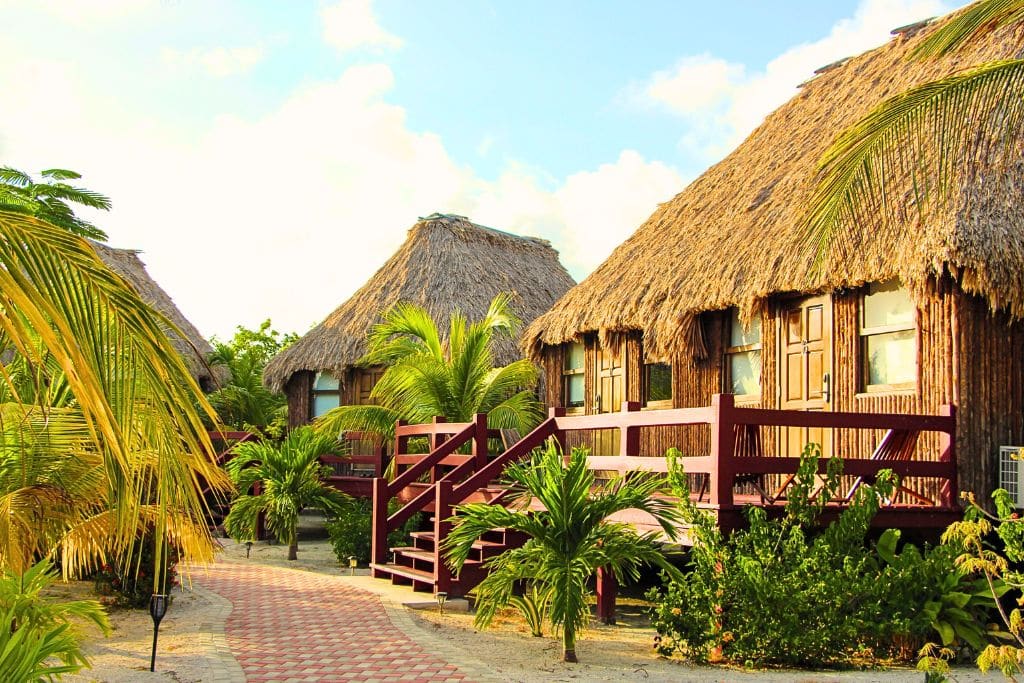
[267, 157]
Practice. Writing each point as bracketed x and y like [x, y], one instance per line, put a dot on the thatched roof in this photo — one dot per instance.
[730, 238]
[192, 347]
[446, 263]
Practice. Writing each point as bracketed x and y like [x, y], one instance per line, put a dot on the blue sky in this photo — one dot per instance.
[267, 157]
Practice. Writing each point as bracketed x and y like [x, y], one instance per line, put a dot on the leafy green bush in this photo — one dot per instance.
[130, 584]
[351, 529]
[787, 592]
[34, 630]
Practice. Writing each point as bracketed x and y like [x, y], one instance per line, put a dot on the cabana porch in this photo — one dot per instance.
[736, 472]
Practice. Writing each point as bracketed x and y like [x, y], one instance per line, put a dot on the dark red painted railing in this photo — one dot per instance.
[724, 467]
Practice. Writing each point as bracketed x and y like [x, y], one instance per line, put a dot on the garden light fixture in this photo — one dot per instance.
[352, 563]
[248, 549]
[157, 610]
[441, 598]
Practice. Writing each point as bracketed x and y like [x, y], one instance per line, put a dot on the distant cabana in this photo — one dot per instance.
[715, 292]
[446, 263]
[189, 343]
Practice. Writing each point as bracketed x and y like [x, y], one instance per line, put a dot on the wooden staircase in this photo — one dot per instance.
[435, 483]
[415, 565]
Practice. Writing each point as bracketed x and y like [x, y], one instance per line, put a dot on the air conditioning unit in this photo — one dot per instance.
[1011, 473]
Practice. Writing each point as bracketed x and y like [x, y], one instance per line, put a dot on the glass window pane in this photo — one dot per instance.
[745, 372]
[324, 402]
[659, 382]
[574, 391]
[892, 358]
[887, 303]
[740, 336]
[574, 357]
[325, 381]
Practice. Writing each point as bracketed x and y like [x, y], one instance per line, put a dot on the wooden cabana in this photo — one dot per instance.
[446, 263]
[716, 292]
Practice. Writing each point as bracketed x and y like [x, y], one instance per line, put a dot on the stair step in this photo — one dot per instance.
[405, 572]
[479, 544]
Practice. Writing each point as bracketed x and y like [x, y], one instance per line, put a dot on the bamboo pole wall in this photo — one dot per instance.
[299, 391]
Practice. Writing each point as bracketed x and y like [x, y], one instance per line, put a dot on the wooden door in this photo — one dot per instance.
[609, 392]
[805, 346]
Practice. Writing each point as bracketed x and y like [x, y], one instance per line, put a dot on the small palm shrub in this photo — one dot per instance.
[789, 592]
[351, 528]
[292, 479]
[38, 636]
[568, 540]
[130, 583]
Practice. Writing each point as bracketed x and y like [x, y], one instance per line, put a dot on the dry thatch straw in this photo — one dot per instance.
[186, 338]
[733, 236]
[446, 263]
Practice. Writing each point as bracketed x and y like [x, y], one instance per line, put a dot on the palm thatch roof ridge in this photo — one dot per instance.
[446, 263]
[194, 349]
[733, 237]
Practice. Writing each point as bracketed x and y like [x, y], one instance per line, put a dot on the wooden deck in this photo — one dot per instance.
[736, 472]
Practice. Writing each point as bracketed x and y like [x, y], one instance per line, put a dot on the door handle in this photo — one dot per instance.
[826, 388]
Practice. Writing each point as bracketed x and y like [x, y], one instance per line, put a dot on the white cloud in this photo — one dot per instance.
[286, 212]
[351, 24]
[88, 13]
[721, 102]
[219, 62]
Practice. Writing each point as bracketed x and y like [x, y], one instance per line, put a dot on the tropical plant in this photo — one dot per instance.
[993, 551]
[244, 402]
[428, 376]
[69, 320]
[34, 629]
[48, 200]
[291, 479]
[792, 591]
[569, 539]
[351, 529]
[923, 142]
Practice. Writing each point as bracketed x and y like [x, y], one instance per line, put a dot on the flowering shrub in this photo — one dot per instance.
[131, 584]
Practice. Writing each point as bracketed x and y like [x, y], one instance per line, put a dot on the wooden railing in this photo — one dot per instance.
[725, 466]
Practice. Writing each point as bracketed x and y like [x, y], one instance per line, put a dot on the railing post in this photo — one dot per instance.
[559, 436]
[435, 441]
[629, 437]
[723, 443]
[607, 589]
[479, 441]
[442, 527]
[401, 443]
[947, 453]
[378, 542]
[378, 452]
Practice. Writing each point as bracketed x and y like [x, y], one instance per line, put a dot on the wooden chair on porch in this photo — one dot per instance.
[748, 444]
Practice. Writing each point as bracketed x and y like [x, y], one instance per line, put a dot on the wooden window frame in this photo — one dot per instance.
[864, 333]
[731, 351]
[645, 387]
[565, 374]
[314, 392]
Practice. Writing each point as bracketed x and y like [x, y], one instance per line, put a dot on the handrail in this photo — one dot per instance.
[434, 457]
[496, 466]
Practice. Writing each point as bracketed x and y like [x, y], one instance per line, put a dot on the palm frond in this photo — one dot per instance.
[917, 144]
[972, 23]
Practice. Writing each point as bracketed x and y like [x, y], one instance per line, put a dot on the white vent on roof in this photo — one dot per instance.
[1011, 473]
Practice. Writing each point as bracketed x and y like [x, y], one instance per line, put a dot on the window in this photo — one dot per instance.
[658, 385]
[326, 393]
[573, 375]
[743, 356]
[887, 332]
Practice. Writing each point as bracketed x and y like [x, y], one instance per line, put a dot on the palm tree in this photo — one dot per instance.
[47, 200]
[244, 402]
[130, 408]
[428, 376]
[569, 539]
[920, 141]
[291, 477]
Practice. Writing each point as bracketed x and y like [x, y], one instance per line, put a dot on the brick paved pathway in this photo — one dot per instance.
[289, 625]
